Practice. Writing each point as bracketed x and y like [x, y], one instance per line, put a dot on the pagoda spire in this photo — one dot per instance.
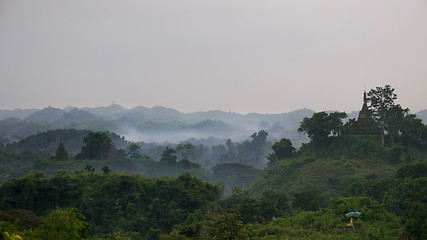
[364, 112]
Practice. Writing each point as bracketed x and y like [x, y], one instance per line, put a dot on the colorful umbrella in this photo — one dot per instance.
[353, 214]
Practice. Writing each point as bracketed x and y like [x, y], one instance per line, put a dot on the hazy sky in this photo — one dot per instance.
[266, 56]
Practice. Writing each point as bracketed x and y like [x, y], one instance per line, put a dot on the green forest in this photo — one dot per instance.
[82, 184]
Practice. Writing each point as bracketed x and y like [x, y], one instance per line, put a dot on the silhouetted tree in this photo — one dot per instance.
[282, 149]
[133, 150]
[386, 113]
[321, 125]
[106, 169]
[96, 146]
[168, 156]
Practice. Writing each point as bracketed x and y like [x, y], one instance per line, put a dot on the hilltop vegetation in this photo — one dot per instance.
[340, 156]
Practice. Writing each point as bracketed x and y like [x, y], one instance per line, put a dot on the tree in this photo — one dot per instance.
[385, 112]
[231, 152]
[228, 226]
[89, 168]
[414, 223]
[322, 124]
[412, 131]
[272, 204]
[106, 169]
[61, 154]
[186, 150]
[259, 139]
[96, 146]
[282, 149]
[66, 224]
[133, 150]
[168, 156]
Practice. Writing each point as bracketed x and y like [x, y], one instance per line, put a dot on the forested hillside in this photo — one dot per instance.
[363, 178]
[134, 207]
[233, 163]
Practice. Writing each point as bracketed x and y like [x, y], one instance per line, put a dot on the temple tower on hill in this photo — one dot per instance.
[364, 113]
[365, 124]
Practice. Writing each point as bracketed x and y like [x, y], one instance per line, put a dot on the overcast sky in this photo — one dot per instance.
[266, 56]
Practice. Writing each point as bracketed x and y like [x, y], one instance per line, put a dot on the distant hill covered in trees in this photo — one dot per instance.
[157, 124]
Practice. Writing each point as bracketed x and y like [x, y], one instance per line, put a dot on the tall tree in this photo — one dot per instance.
[168, 156]
[96, 146]
[253, 153]
[385, 111]
[231, 153]
[133, 150]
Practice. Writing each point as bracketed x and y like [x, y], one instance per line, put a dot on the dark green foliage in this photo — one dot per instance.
[415, 220]
[412, 170]
[388, 115]
[281, 150]
[21, 218]
[190, 228]
[403, 133]
[332, 176]
[18, 164]
[423, 140]
[150, 209]
[368, 186]
[309, 200]
[374, 223]
[228, 226]
[346, 146]
[412, 130]
[106, 169]
[411, 180]
[272, 204]
[129, 203]
[89, 168]
[328, 223]
[97, 145]
[46, 143]
[322, 124]
[394, 154]
[371, 210]
[243, 204]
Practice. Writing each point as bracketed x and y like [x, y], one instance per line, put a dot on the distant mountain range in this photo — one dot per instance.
[157, 124]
